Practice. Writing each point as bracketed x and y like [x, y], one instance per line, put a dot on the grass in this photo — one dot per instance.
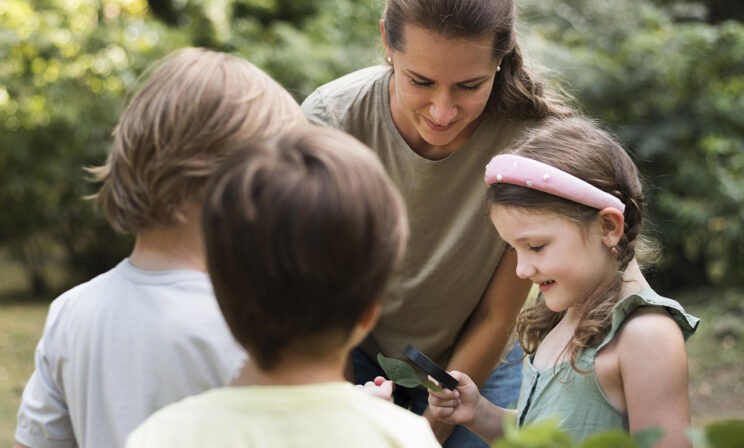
[716, 355]
[21, 325]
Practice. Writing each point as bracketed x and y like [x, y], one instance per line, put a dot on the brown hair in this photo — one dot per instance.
[579, 147]
[189, 107]
[302, 233]
[516, 91]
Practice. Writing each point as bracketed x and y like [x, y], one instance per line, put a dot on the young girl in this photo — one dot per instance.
[604, 350]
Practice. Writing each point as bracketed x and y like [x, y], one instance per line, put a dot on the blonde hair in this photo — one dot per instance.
[188, 110]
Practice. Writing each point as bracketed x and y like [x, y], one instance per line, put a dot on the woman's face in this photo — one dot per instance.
[439, 89]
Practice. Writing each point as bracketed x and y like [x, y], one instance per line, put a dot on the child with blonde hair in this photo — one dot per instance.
[149, 331]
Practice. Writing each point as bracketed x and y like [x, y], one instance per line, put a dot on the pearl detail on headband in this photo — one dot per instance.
[549, 179]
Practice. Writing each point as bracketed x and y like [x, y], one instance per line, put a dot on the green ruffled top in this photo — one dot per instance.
[575, 399]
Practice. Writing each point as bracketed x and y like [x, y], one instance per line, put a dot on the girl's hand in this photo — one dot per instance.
[379, 387]
[456, 407]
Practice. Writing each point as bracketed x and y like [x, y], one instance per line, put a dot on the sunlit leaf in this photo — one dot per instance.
[609, 439]
[399, 372]
[725, 434]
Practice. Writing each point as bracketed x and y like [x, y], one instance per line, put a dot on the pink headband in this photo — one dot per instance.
[518, 170]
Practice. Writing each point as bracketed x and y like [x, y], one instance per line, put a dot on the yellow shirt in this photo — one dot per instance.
[316, 415]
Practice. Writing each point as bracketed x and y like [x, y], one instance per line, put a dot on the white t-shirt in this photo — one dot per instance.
[120, 347]
[329, 415]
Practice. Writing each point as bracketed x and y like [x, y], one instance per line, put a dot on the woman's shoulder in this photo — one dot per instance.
[354, 83]
[348, 99]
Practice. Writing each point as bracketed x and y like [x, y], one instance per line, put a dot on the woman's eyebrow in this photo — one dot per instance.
[465, 81]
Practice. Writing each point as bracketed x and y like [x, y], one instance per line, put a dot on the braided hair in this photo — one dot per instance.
[580, 147]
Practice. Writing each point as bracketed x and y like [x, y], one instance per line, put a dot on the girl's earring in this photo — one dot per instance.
[613, 251]
[498, 68]
[390, 60]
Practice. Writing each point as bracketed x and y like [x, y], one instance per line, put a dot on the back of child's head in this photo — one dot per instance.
[580, 147]
[302, 232]
[187, 111]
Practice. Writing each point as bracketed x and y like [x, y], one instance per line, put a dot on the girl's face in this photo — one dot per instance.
[439, 89]
[567, 261]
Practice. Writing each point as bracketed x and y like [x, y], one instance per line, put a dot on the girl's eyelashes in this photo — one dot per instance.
[535, 248]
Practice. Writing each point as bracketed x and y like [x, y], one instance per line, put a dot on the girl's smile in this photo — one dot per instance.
[567, 261]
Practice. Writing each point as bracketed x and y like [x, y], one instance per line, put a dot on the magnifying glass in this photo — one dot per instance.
[430, 367]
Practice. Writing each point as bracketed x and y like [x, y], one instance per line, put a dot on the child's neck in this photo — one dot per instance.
[633, 279]
[293, 372]
[552, 347]
[175, 247]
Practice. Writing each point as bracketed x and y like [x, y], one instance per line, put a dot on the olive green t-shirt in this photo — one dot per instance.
[453, 248]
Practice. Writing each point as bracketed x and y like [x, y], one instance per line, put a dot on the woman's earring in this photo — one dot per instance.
[390, 60]
[613, 251]
[498, 68]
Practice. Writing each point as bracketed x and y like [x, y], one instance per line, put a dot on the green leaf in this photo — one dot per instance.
[543, 434]
[697, 437]
[725, 434]
[400, 372]
[609, 439]
[647, 437]
[430, 385]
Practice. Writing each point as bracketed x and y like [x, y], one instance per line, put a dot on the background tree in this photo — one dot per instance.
[674, 92]
[64, 70]
[666, 75]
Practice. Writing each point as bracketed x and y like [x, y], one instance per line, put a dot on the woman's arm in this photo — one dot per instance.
[488, 329]
[653, 370]
[491, 324]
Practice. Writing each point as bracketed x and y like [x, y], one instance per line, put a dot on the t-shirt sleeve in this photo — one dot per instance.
[43, 416]
[316, 110]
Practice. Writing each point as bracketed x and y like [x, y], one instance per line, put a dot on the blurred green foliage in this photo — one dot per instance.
[672, 90]
[548, 434]
[674, 93]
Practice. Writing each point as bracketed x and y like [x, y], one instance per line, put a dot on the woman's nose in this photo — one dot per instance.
[443, 109]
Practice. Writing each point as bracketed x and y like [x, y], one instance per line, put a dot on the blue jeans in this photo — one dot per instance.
[501, 388]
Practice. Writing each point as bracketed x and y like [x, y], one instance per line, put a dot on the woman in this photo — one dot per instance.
[455, 93]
